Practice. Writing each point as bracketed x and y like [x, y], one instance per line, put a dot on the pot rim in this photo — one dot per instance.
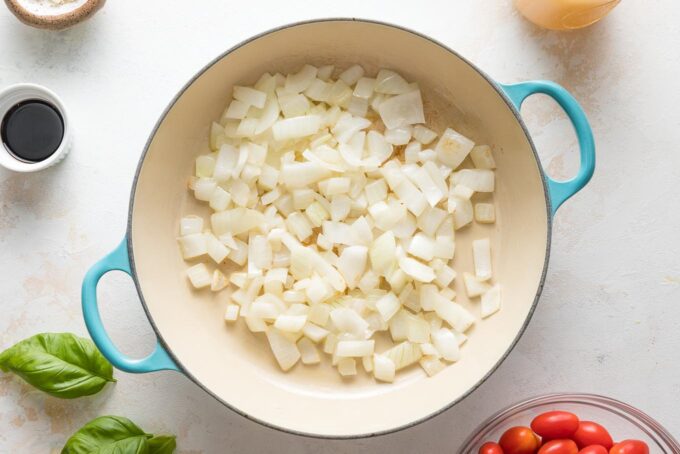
[492, 84]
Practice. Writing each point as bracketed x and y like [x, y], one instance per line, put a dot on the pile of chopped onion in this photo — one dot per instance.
[340, 207]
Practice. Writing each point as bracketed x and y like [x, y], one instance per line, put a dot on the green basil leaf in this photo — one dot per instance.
[108, 435]
[60, 364]
[162, 444]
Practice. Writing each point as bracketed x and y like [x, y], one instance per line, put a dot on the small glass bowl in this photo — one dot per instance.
[621, 420]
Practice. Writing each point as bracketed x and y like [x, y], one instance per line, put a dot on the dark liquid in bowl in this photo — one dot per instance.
[32, 130]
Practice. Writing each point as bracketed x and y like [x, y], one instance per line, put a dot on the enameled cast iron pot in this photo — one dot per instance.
[236, 366]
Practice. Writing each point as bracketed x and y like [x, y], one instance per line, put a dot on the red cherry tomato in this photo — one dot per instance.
[555, 424]
[491, 448]
[519, 440]
[630, 447]
[591, 433]
[594, 449]
[559, 447]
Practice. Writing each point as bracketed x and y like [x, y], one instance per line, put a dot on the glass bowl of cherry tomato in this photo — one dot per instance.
[571, 424]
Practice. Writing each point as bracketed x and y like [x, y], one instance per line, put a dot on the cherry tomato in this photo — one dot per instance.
[630, 447]
[591, 433]
[519, 440]
[559, 447]
[491, 448]
[594, 449]
[555, 424]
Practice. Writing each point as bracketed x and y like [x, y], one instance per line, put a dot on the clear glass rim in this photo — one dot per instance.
[636, 417]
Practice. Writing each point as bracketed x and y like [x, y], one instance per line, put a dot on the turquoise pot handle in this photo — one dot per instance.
[560, 191]
[158, 359]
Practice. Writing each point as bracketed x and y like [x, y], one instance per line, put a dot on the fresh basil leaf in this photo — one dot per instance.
[108, 435]
[60, 364]
[162, 444]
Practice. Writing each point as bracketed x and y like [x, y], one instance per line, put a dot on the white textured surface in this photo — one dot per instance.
[607, 321]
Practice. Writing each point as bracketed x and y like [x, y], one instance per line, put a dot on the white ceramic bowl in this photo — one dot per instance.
[236, 366]
[14, 94]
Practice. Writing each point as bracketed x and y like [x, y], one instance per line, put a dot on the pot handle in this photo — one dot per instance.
[560, 191]
[119, 260]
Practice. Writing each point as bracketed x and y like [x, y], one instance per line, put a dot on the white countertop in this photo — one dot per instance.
[607, 321]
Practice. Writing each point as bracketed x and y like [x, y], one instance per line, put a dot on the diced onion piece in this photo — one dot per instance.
[325, 72]
[376, 191]
[364, 88]
[231, 313]
[453, 148]
[240, 254]
[481, 253]
[290, 323]
[482, 157]
[319, 314]
[269, 115]
[491, 301]
[219, 281]
[462, 211]
[418, 271]
[446, 344]
[399, 136]
[205, 165]
[479, 180]
[352, 74]
[348, 321]
[391, 83]
[383, 253]
[387, 306]
[352, 263]
[285, 351]
[296, 127]
[340, 207]
[354, 349]
[383, 368]
[431, 190]
[318, 90]
[367, 363]
[423, 134]
[308, 352]
[302, 174]
[204, 188]
[347, 367]
[430, 221]
[215, 248]
[431, 366]
[293, 104]
[192, 246]
[429, 349]
[454, 314]
[189, 225]
[444, 276]
[250, 96]
[314, 332]
[220, 199]
[418, 330]
[485, 213]
[298, 82]
[402, 110]
[199, 275]
[236, 221]
[473, 286]
[403, 354]
[422, 246]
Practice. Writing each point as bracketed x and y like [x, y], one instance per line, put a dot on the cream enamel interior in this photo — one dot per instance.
[235, 365]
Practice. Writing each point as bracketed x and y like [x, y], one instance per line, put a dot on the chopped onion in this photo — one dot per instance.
[231, 313]
[341, 222]
[199, 275]
[383, 368]
[491, 301]
[355, 349]
[446, 344]
[193, 245]
[285, 351]
[308, 352]
[453, 148]
[482, 157]
[402, 110]
[481, 253]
